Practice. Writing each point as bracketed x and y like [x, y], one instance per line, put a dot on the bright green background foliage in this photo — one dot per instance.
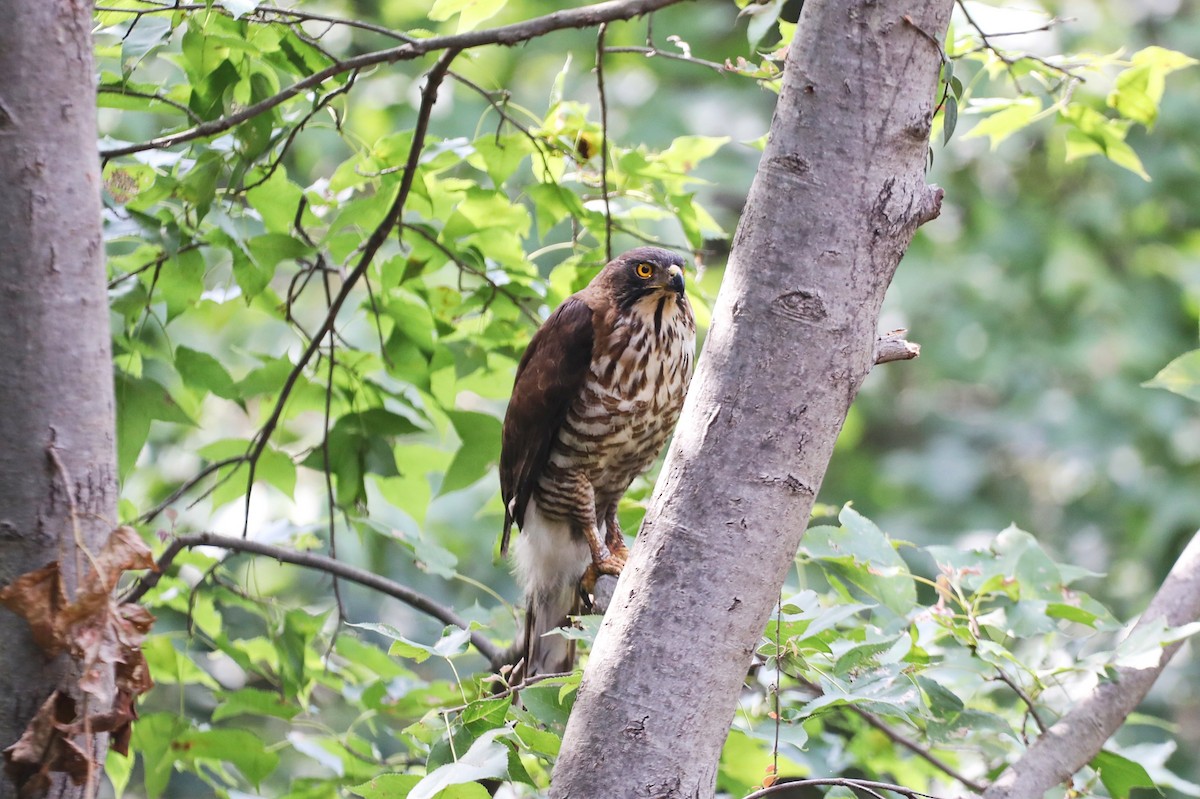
[1054, 284]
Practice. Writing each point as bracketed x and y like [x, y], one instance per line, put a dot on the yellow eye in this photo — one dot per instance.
[644, 271]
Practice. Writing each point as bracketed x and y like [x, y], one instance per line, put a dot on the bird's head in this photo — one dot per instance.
[642, 272]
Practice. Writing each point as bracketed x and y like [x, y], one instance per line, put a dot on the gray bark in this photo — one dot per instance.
[839, 192]
[56, 391]
[1078, 736]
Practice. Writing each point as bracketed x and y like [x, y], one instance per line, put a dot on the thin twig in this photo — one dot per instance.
[654, 52]
[328, 469]
[917, 749]
[869, 786]
[466, 267]
[263, 12]
[154, 264]
[186, 486]
[324, 101]
[508, 35]
[603, 140]
[312, 560]
[123, 90]
[1028, 700]
[901, 739]
[540, 145]
[1011, 60]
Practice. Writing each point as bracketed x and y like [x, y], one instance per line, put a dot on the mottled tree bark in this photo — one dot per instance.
[839, 192]
[57, 448]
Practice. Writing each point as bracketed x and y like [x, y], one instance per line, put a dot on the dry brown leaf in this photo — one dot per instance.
[39, 598]
[42, 747]
[104, 638]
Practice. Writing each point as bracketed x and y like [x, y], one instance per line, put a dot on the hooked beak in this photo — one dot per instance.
[675, 279]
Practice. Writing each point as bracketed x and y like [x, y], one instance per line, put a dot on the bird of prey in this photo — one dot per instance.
[597, 392]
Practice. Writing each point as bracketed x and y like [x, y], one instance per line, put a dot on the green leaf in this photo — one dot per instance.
[387, 786]
[1005, 117]
[860, 553]
[1092, 133]
[184, 283]
[241, 748]
[253, 702]
[471, 12]
[1181, 376]
[153, 735]
[277, 469]
[1120, 775]
[300, 629]
[500, 156]
[537, 740]
[1138, 90]
[486, 713]
[199, 186]
[943, 703]
[1059, 610]
[146, 36]
[139, 401]
[118, 768]
[271, 248]
[276, 200]
[480, 435]
[949, 118]
[204, 373]
[486, 759]
[547, 705]
[171, 667]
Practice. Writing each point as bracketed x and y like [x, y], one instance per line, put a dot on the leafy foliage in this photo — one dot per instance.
[276, 376]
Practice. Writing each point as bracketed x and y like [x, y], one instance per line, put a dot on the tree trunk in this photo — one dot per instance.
[839, 192]
[57, 453]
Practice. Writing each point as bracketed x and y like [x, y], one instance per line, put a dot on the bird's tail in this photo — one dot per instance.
[549, 563]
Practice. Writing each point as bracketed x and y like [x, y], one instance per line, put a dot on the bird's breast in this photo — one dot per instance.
[632, 396]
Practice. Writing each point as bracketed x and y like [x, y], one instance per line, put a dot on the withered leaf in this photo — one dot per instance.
[40, 750]
[104, 638]
[39, 598]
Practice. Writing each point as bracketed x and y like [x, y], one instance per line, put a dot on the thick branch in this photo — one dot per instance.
[586, 17]
[312, 560]
[1078, 736]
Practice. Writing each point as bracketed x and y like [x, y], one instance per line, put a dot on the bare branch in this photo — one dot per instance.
[508, 35]
[466, 267]
[1011, 60]
[1079, 735]
[154, 264]
[312, 560]
[893, 347]
[868, 786]
[1024, 697]
[654, 52]
[321, 103]
[186, 486]
[899, 738]
[158, 98]
[603, 141]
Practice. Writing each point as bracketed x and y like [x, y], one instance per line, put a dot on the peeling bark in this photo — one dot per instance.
[839, 192]
[57, 452]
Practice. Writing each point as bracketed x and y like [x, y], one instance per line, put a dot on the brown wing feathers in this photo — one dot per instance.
[551, 374]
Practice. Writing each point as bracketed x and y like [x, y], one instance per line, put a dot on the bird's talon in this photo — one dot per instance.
[613, 564]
